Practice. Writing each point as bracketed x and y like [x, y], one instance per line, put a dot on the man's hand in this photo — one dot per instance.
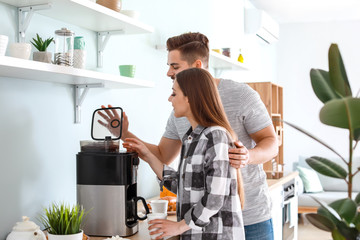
[167, 227]
[239, 157]
[109, 117]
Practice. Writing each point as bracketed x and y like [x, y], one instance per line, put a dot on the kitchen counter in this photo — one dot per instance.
[143, 233]
[273, 183]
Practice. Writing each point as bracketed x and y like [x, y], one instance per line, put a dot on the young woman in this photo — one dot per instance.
[207, 187]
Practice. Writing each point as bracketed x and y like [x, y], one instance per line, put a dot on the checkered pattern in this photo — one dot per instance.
[206, 186]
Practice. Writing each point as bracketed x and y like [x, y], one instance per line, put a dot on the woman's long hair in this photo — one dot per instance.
[205, 104]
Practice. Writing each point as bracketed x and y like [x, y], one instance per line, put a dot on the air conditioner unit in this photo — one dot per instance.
[260, 23]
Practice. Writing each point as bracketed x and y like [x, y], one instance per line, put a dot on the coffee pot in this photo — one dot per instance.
[107, 179]
[26, 230]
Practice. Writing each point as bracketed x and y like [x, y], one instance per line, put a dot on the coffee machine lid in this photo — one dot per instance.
[107, 123]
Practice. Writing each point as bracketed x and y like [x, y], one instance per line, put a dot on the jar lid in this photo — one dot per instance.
[64, 32]
[25, 226]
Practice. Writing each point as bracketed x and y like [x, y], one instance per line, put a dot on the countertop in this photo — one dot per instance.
[143, 233]
[273, 183]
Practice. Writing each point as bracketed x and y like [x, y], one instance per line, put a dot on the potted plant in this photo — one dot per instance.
[342, 110]
[42, 55]
[63, 222]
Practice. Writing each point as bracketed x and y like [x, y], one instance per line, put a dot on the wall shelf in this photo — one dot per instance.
[26, 69]
[86, 14]
[220, 62]
[81, 79]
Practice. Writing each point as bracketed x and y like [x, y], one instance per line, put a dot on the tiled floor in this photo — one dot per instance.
[307, 231]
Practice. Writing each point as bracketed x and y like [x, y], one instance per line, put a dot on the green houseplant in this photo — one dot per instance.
[62, 219]
[42, 55]
[342, 110]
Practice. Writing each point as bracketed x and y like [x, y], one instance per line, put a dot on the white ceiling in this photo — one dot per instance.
[290, 11]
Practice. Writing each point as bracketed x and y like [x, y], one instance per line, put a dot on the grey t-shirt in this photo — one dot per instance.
[247, 114]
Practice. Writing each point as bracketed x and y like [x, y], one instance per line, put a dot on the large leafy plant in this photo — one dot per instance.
[342, 110]
[61, 219]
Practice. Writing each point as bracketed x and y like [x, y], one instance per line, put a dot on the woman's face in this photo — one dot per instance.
[179, 102]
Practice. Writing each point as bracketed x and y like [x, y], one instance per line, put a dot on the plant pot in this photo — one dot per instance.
[76, 236]
[42, 57]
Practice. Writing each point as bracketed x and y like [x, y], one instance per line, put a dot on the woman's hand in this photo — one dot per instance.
[109, 117]
[167, 227]
[134, 145]
[239, 157]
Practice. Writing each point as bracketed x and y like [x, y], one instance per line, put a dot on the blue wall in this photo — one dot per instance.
[38, 137]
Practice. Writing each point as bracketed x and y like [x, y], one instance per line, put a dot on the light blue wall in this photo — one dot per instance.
[38, 139]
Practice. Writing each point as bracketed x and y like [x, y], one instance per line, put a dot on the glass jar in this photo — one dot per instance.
[64, 47]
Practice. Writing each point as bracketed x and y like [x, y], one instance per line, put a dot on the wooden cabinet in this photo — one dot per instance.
[272, 96]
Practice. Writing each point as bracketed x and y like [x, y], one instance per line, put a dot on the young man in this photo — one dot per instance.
[248, 118]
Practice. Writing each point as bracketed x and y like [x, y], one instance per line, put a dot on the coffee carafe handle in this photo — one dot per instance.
[145, 206]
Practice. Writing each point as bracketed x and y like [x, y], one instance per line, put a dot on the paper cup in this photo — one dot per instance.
[159, 206]
[152, 216]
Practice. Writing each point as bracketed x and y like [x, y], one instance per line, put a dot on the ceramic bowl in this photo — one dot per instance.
[131, 13]
[20, 50]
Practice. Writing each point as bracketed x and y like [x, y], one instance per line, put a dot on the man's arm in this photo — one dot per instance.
[266, 149]
[266, 146]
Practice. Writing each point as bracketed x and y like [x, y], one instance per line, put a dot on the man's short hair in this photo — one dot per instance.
[192, 46]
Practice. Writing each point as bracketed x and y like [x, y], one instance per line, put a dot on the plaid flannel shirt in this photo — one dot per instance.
[206, 186]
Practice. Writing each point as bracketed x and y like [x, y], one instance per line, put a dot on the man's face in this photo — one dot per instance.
[176, 64]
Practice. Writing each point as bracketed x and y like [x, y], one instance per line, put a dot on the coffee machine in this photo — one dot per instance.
[107, 179]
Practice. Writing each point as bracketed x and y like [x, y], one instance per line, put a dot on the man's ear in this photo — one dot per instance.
[198, 64]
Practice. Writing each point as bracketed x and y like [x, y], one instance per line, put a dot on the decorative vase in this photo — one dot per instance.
[42, 57]
[20, 50]
[76, 236]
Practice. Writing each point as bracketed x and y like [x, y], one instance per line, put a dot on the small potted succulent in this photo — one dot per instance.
[42, 55]
[63, 222]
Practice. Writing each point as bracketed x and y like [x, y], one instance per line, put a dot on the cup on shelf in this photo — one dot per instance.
[127, 70]
[216, 50]
[153, 216]
[226, 52]
[3, 44]
[20, 50]
[79, 52]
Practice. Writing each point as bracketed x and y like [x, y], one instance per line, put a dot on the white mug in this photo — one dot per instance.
[3, 44]
[152, 216]
[20, 50]
[159, 206]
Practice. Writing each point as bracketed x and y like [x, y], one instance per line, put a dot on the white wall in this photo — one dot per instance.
[302, 47]
[38, 139]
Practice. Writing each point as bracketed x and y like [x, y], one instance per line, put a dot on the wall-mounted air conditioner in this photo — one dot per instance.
[260, 23]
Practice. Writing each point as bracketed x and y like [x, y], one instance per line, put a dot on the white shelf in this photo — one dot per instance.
[86, 14]
[26, 69]
[219, 62]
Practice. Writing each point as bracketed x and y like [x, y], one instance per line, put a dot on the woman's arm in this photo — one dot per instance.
[132, 144]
